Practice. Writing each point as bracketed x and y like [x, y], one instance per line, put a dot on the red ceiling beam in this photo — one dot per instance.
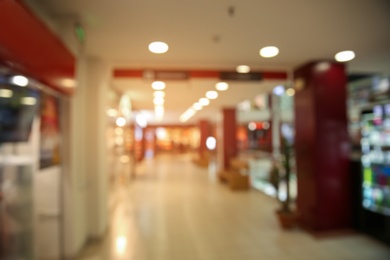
[138, 73]
[29, 47]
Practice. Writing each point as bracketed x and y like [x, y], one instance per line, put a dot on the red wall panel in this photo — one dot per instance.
[29, 47]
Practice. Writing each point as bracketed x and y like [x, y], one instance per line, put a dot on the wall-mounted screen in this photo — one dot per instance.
[18, 107]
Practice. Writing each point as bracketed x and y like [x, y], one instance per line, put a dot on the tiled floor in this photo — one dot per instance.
[175, 210]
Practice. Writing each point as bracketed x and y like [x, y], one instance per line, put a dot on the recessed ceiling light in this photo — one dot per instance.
[141, 120]
[344, 56]
[6, 93]
[159, 93]
[158, 85]
[278, 90]
[158, 47]
[120, 121]
[29, 101]
[211, 94]
[221, 86]
[197, 106]
[243, 69]
[158, 101]
[159, 112]
[187, 115]
[204, 101]
[19, 80]
[269, 52]
[290, 92]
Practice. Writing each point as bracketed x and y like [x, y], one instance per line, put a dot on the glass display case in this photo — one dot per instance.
[16, 207]
[375, 143]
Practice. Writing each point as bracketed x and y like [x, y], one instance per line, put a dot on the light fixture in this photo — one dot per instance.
[269, 52]
[211, 94]
[120, 121]
[118, 131]
[344, 56]
[211, 143]
[158, 85]
[6, 93]
[290, 92]
[187, 115]
[29, 101]
[19, 80]
[278, 90]
[159, 112]
[252, 126]
[243, 69]
[158, 47]
[158, 101]
[204, 101]
[121, 243]
[222, 86]
[159, 93]
[112, 112]
[141, 120]
[197, 106]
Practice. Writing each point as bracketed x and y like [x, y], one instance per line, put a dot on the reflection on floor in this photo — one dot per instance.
[174, 210]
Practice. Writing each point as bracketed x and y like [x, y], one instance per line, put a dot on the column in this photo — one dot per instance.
[98, 78]
[322, 146]
[205, 132]
[226, 138]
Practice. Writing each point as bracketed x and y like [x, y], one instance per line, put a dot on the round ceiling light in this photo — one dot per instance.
[290, 92]
[158, 101]
[159, 93]
[158, 85]
[269, 52]
[222, 86]
[197, 106]
[204, 101]
[212, 94]
[344, 56]
[19, 80]
[278, 90]
[243, 69]
[120, 121]
[158, 47]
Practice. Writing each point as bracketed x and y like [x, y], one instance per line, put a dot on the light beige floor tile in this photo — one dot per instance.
[174, 210]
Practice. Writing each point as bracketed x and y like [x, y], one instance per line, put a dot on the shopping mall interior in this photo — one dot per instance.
[203, 130]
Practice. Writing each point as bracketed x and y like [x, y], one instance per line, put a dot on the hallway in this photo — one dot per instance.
[174, 210]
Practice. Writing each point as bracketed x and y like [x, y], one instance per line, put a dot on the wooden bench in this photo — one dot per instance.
[236, 176]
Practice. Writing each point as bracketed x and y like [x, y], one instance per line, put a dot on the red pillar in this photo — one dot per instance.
[205, 131]
[322, 146]
[229, 138]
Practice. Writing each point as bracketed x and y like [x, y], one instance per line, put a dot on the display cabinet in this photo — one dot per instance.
[16, 207]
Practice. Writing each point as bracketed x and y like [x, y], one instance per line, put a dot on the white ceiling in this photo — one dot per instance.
[203, 34]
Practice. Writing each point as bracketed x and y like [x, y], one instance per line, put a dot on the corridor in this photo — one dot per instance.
[175, 210]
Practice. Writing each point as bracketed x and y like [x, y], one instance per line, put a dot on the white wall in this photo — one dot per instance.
[84, 146]
[48, 212]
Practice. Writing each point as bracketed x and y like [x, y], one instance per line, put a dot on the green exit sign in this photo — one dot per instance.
[80, 33]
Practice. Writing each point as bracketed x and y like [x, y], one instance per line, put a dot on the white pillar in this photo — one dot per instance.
[98, 78]
[74, 179]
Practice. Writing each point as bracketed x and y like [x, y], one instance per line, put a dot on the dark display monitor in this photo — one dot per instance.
[18, 107]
